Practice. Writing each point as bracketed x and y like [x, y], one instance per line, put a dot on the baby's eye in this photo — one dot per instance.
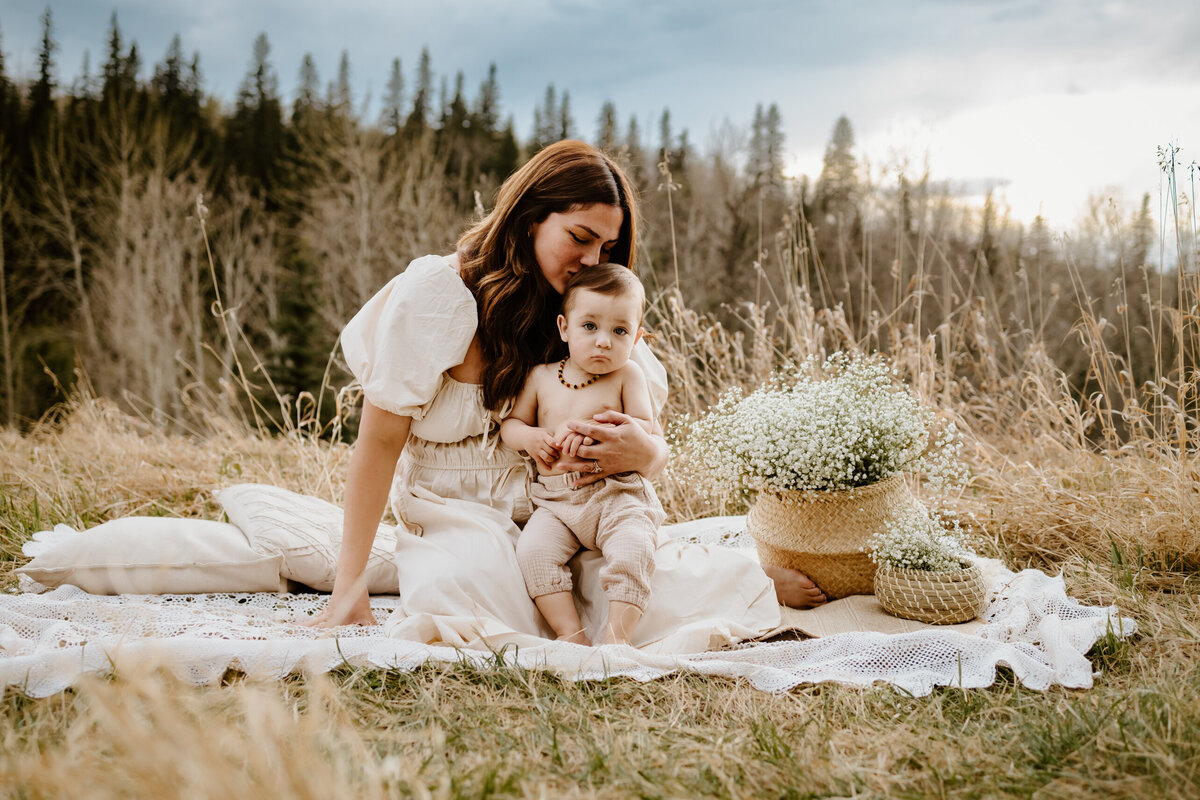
[589, 326]
[620, 331]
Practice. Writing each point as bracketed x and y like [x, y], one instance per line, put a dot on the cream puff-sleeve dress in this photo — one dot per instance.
[461, 495]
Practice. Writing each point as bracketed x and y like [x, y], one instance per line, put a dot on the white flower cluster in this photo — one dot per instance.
[849, 425]
[924, 541]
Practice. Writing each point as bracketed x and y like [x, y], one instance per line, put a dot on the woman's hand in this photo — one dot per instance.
[350, 607]
[621, 445]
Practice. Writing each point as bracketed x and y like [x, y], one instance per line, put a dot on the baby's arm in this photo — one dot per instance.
[520, 432]
[635, 398]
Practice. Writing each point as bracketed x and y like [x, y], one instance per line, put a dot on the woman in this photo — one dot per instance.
[441, 353]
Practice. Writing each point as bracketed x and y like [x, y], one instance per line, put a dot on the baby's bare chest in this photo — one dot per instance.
[558, 403]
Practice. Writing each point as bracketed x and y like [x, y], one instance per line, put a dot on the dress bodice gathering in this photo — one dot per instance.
[454, 450]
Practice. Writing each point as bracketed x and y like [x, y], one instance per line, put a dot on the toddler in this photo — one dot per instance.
[618, 516]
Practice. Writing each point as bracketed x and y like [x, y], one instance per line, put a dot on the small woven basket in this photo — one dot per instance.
[824, 533]
[940, 598]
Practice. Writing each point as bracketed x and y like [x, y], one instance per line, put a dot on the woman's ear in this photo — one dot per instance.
[562, 327]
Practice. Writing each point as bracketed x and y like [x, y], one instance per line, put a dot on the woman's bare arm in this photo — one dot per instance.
[381, 438]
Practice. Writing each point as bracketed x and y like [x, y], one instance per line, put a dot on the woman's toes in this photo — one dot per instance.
[794, 589]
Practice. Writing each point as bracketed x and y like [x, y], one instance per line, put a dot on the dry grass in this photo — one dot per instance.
[1052, 487]
[1120, 526]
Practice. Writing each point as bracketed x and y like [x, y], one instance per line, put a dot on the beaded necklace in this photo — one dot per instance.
[562, 365]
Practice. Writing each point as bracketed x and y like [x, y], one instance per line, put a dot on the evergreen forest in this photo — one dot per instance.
[177, 254]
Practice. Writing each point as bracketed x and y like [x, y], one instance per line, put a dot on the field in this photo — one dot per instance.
[1120, 519]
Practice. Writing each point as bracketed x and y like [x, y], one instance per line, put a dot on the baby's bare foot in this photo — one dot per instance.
[793, 588]
[578, 637]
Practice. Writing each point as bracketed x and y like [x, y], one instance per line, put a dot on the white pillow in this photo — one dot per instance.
[152, 555]
[307, 533]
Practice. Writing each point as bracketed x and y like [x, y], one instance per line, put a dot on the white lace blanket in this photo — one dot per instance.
[48, 641]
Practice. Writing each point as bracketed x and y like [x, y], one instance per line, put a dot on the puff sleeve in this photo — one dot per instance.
[415, 328]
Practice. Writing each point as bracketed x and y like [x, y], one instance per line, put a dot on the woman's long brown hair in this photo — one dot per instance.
[517, 306]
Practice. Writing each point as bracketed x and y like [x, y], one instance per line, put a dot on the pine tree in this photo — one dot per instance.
[392, 115]
[487, 106]
[566, 123]
[547, 121]
[606, 133]
[987, 252]
[168, 76]
[307, 93]
[665, 143]
[635, 156]
[84, 87]
[341, 99]
[456, 113]
[756, 158]
[683, 150]
[837, 187]
[177, 99]
[1141, 236]
[773, 144]
[255, 132]
[418, 118]
[41, 94]
[119, 74]
[11, 113]
[505, 154]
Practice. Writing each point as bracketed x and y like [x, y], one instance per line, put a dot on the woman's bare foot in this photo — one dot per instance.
[578, 637]
[793, 588]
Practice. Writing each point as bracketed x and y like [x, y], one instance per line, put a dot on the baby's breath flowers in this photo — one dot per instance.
[934, 542]
[847, 424]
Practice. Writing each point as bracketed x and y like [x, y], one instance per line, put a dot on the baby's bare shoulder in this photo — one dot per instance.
[543, 376]
[630, 369]
[544, 372]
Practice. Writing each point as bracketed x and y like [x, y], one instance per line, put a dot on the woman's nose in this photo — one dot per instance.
[591, 256]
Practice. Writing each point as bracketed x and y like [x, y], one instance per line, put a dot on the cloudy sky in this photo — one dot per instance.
[1054, 99]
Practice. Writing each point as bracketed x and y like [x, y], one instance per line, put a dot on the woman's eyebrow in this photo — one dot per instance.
[594, 234]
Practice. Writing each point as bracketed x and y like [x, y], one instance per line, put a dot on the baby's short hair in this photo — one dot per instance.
[607, 279]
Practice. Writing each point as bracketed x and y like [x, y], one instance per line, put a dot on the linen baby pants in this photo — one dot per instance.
[618, 516]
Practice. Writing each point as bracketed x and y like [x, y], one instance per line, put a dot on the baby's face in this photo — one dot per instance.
[600, 330]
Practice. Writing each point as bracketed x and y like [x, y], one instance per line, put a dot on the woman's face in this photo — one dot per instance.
[568, 242]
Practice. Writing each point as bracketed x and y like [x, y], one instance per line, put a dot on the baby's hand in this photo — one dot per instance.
[545, 451]
[569, 442]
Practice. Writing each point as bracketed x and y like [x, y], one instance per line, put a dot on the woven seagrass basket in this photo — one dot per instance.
[941, 598]
[824, 533]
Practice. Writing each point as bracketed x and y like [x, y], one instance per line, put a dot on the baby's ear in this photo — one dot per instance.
[562, 327]
[641, 332]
